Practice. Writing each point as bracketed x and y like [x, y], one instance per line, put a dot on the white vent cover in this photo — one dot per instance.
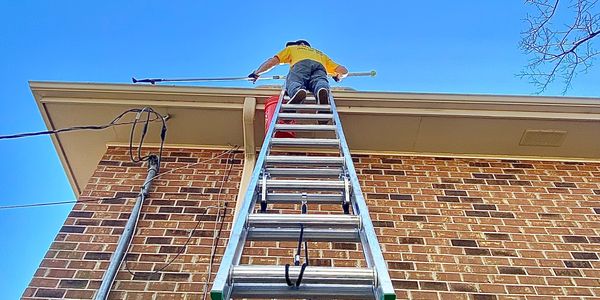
[546, 138]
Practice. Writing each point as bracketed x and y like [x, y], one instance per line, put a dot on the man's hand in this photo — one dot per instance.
[340, 73]
[253, 77]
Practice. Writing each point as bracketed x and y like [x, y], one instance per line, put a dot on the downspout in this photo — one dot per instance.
[125, 239]
[249, 150]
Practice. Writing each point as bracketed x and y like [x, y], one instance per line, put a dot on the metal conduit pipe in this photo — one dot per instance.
[117, 258]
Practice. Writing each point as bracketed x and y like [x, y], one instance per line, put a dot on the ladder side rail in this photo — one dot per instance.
[372, 250]
[221, 288]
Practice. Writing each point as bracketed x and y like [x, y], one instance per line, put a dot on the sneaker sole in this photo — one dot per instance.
[323, 94]
[298, 97]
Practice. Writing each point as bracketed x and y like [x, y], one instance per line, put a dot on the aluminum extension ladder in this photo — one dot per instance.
[325, 180]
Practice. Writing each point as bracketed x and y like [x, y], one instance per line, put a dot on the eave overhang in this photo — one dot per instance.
[374, 122]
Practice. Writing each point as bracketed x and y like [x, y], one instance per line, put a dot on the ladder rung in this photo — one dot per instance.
[286, 97]
[318, 107]
[304, 142]
[310, 291]
[309, 160]
[308, 220]
[312, 274]
[304, 184]
[299, 172]
[310, 98]
[303, 127]
[296, 116]
[311, 198]
[310, 234]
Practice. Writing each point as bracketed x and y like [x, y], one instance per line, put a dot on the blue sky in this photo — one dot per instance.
[416, 46]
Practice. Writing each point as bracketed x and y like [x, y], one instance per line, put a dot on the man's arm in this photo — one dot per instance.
[267, 65]
[264, 67]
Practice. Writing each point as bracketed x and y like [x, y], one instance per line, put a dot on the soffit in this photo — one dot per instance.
[374, 122]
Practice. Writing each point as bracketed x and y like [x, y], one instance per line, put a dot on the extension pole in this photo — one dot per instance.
[125, 239]
[355, 74]
[155, 80]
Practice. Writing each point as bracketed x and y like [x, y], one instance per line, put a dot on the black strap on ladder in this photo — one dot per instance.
[297, 256]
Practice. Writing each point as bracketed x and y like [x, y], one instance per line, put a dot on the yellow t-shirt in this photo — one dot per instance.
[293, 54]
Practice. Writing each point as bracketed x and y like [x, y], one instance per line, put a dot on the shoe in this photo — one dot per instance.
[323, 122]
[298, 97]
[323, 96]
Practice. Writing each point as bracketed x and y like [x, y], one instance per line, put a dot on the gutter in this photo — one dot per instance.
[249, 113]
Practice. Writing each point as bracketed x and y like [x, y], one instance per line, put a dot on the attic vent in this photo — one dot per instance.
[545, 138]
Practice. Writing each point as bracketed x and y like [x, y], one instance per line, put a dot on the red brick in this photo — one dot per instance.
[522, 218]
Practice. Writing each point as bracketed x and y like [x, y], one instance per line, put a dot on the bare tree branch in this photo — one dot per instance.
[559, 50]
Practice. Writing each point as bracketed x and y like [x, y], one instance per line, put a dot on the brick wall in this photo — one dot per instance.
[449, 228]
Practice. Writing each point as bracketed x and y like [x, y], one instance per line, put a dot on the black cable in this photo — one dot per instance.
[15, 206]
[148, 276]
[56, 203]
[287, 275]
[149, 111]
[302, 269]
[300, 275]
[226, 178]
[299, 250]
[304, 210]
[74, 128]
[217, 235]
[131, 132]
[221, 220]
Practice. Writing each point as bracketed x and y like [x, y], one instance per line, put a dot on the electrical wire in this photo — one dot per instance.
[216, 235]
[139, 112]
[56, 203]
[226, 178]
[16, 206]
[114, 122]
[183, 247]
[149, 111]
[231, 150]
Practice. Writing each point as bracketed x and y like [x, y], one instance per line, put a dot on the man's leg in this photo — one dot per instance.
[319, 85]
[296, 82]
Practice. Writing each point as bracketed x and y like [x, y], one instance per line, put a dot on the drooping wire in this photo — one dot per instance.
[184, 246]
[149, 111]
[114, 122]
[217, 234]
[181, 249]
[56, 203]
[33, 205]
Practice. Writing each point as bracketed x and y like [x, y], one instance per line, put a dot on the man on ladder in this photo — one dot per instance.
[309, 68]
[327, 179]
